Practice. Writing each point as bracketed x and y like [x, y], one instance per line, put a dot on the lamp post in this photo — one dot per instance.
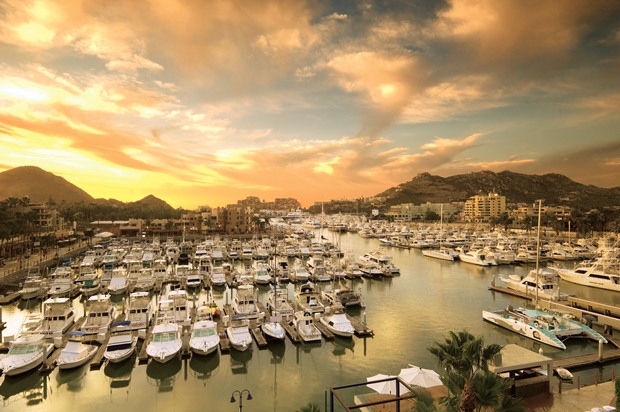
[240, 393]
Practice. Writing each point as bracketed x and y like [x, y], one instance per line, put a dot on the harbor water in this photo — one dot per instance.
[407, 314]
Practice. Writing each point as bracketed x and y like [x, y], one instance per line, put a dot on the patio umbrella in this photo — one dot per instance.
[387, 387]
[420, 377]
[104, 235]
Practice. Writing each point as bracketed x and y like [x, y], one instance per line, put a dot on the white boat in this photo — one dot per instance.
[276, 301]
[204, 338]
[343, 296]
[301, 274]
[145, 281]
[58, 316]
[99, 314]
[61, 283]
[25, 353]
[541, 326]
[122, 343]
[305, 327]
[218, 276]
[239, 334]
[75, 353]
[90, 283]
[338, 323]
[118, 282]
[477, 257]
[603, 273]
[442, 253]
[272, 330]
[261, 275]
[563, 374]
[34, 288]
[309, 299]
[166, 342]
[546, 284]
[244, 302]
[140, 311]
[180, 309]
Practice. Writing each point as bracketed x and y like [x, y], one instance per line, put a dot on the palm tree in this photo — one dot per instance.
[471, 386]
[310, 407]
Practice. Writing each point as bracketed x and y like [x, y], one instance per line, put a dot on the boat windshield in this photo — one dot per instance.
[24, 349]
[203, 333]
[164, 336]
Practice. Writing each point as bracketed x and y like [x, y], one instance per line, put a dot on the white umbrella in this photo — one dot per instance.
[104, 234]
[420, 377]
[387, 387]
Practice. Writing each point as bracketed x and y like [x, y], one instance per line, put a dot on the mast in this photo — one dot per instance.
[538, 248]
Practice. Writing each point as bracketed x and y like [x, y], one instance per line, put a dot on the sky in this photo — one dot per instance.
[208, 102]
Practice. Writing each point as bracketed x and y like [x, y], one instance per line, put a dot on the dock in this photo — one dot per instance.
[142, 356]
[360, 328]
[50, 363]
[292, 333]
[512, 292]
[98, 359]
[10, 298]
[324, 331]
[591, 359]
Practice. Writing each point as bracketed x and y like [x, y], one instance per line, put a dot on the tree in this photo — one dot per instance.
[471, 386]
[310, 407]
[431, 216]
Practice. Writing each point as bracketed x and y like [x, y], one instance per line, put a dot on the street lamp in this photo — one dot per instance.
[240, 393]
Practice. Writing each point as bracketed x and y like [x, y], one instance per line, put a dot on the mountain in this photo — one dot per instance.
[554, 189]
[39, 186]
[152, 202]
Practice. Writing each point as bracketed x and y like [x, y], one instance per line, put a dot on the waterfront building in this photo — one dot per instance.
[481, 208]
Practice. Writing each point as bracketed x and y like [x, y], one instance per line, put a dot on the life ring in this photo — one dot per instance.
[526, 321]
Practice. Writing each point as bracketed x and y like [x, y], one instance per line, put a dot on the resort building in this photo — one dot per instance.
[481, 208]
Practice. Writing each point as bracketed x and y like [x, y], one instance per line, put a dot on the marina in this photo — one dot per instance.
[403, 315]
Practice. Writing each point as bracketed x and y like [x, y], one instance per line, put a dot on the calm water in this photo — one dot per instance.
[407, 313]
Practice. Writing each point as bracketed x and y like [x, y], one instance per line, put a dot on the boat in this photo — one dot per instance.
[343, 296]
[550, 328]
[25, 353]
[305, 327]
[301, 274]
[603, 273]
[89, 283]
[276, 301]
[75, 353]
[118, 282]
[546, 284]
[477, 257]
[122, 343]
[261, 275]
[166, 342]
[99, 314]
[204, 338]
[34, 288]
[140, 311]
[61, 283]
[441, 253]
[145, 281]
[337, 322]
[58, 316]
[309, 299]
[218, 276]
[272, 330]
[238, 333]
[244, 302]
[180, 309]
[563, 373]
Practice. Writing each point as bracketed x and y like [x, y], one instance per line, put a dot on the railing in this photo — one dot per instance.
[590, 379]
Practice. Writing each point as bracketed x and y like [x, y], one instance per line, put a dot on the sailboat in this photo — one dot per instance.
[441, 253]
[272, 330]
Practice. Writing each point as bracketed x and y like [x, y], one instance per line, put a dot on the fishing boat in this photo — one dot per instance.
[218, 276]
[477, 257]
[309, 299]
[34, 288]
[140, 311]
[122, 343]
[58, 316]
[204, 338]
[305, 327]
[545, 283]
[166, 342]
[343, 296]
[603, 273]
[542, 326]
[75, 353]
[100, 314]
[244, 302]
[25, 353]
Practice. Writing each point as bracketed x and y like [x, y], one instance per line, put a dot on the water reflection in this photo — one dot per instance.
[74, 379]
[119, 374]
[30, 386]
[163, 375]
[239, 361]
[341, 345]
[204, 367]
[277, 350]
[30, 305]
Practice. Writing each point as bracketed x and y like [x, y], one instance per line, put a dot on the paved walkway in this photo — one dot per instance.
[577, 400]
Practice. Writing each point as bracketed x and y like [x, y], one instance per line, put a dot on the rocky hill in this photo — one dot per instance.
[554, 189]
[39, 186]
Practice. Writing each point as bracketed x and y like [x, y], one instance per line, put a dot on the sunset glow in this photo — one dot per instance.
[205, 103]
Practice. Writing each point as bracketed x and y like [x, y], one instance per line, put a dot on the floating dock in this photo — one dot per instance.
[10, 298]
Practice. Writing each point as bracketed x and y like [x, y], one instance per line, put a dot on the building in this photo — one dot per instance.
[481, 208]
[407, 212]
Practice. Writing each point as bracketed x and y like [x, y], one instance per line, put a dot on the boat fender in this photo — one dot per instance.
[526, 321]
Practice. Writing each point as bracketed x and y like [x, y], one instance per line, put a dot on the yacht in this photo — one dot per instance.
[204, 338]
[239, 334]
[301, 274]
[546, 284]
[218, 276]
[272, 330]
[139, 311]
[25, 353]
[58, 316]
[309, 299]
[305, 327]
[261, 275]
[338, 323]
[277, 301]
[118, 282]
[166, 341]
[477, 257]
[99, 314]
[343, 296]
[122, 343]
[75, 353]
[603, 273]
[180, 307]
[544, 327]
[244, 302]
[441, 253]
[34, 288]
